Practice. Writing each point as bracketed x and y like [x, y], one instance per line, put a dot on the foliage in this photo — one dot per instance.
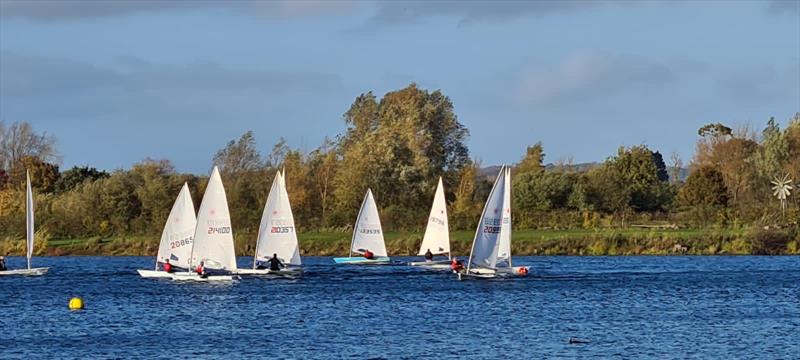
[399, 145]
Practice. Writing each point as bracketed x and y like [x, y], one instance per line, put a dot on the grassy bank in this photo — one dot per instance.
[632, 241]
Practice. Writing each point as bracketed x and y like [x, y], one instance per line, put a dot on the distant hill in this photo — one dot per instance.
[491, 171]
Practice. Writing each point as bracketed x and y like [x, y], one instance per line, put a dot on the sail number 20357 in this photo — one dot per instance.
[281, 229]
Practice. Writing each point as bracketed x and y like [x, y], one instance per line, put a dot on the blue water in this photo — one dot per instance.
[627, 307]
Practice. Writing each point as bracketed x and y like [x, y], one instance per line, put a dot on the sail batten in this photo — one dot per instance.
[437, 232]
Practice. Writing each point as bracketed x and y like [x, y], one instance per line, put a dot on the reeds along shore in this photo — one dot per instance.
[525, 242]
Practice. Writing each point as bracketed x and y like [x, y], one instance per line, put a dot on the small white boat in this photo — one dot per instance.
[212, 243]
[25, 272]
[367, 235]
[30, 233]
[276, 234]
[491, 248]
[437, 233]
[176, 238]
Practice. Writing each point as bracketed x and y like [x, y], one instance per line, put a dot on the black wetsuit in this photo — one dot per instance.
[3, 265]
[429, 255]
[275, 264]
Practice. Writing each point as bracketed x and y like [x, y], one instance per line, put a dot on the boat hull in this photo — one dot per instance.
[363, 261]
[490, 273]
[190, 276]
[154, 274]
[25, 272]
[268, 272]
[437, 264]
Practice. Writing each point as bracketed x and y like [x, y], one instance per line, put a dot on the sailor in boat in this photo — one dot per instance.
[275, 264]
[168, 267]
[369, 255]
[456, 265]
[3, 264]
[428, 255]
[201, 269]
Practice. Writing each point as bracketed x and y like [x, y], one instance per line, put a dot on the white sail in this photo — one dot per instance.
[486, 243]
[276, 233]
[504, 249]
[213, 237]
[176, 239]
[367, 234]
[437, 233]
[30, 231]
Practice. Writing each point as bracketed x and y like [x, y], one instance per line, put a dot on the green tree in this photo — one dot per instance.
[44, 175]
[77, 175]
[533, 162]
[704, 195]
[644, 177]
[399, 148]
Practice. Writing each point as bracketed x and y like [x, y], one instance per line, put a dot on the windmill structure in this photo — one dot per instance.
[782, 188]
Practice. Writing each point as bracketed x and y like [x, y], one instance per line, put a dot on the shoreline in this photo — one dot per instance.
[574, 242]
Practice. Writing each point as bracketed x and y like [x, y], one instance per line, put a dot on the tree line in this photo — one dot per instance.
[399, 145]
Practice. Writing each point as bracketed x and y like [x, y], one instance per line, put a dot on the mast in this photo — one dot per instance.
[507, 195]
[29, 217]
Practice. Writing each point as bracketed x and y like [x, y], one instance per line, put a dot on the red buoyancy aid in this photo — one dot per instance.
[456, 265]
[368, 254]
[168, 267]
[199, 269]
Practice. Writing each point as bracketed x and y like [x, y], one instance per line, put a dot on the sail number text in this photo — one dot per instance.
[219, 230]
[178, 243]
[281, 229]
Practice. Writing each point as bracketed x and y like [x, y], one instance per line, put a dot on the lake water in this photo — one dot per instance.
[627, 307]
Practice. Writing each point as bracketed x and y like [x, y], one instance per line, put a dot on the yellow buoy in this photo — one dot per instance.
[76, 303]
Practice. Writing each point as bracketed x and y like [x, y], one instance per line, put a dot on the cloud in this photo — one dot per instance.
[589, 74]
[393, 12]
[784, 7]
[40, 75]
[65, 10]
[764, 84]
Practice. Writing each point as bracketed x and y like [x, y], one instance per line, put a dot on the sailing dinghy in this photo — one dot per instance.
[437, 233]
[176, 239]
[367, 235]
[276, 233]
[491, 247]
[212, 243]
[30, 232]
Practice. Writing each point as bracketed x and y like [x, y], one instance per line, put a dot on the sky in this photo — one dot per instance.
[116, 82]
